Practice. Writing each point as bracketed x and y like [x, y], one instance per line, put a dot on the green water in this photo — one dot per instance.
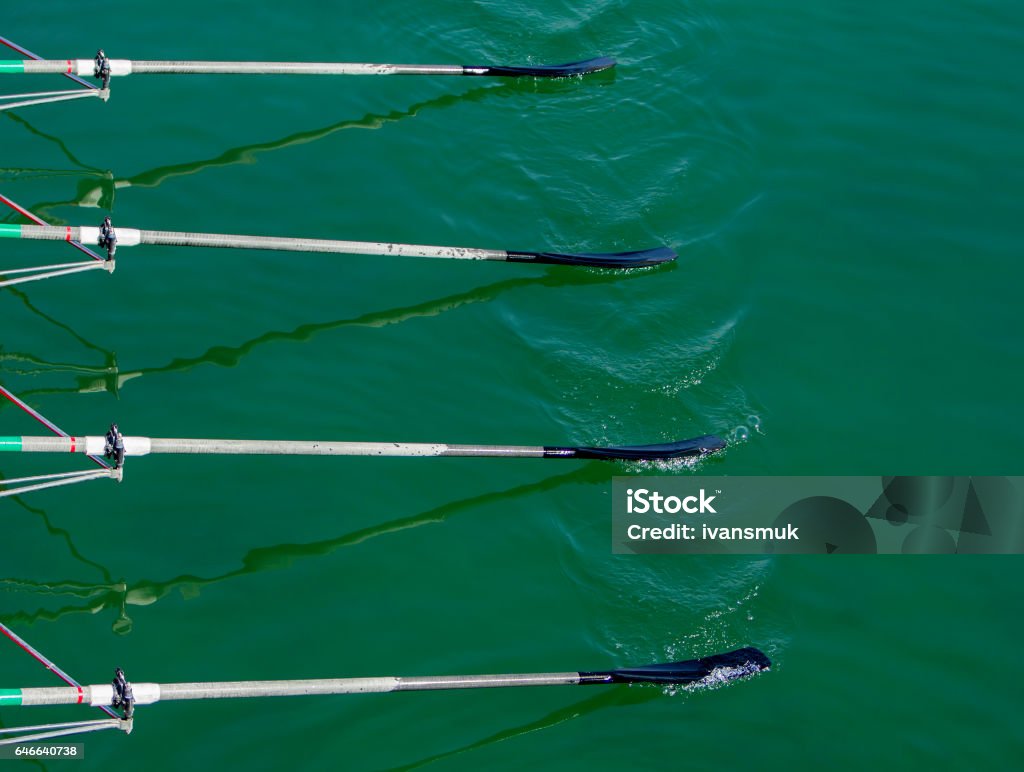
[843, 185]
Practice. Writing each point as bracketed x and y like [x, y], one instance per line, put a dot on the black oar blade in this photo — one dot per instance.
[546, 70]
[714, 669]
[698, 446]
[637, 259]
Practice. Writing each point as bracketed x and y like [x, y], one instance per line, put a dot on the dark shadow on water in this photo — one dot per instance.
[97, 187]
[62, 534]
[20, 294]
[64, 149]
[121, 594]
[612, 697]
[107, 376]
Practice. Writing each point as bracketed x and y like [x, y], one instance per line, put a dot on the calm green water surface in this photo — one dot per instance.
[843, 185]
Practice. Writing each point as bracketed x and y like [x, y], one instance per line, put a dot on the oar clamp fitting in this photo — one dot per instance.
[123, 696]
[114, 446]
[108, 238]
[101, 69]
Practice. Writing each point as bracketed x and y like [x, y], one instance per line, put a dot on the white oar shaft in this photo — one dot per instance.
[141, 446]
[86, 67]
[127, 237]
[148, 693]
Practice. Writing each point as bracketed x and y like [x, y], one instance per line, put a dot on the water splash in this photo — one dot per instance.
[718, 678]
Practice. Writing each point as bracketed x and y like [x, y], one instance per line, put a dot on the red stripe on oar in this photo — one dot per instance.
[45, 422]
[39, 221]
[72, 444]
[30, 55]
[67, 234]
[80, 695]
[69, 68]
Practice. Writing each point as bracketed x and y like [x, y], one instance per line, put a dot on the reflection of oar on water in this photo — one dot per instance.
[93, 598]
[103, 69]
[109, 239]
[97, 187]
[116, 446]
[122, 695]
[111, 377]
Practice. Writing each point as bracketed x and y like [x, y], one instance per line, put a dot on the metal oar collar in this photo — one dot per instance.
[101, 69]
[108, 238]
[113, 449]
[124, 698]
